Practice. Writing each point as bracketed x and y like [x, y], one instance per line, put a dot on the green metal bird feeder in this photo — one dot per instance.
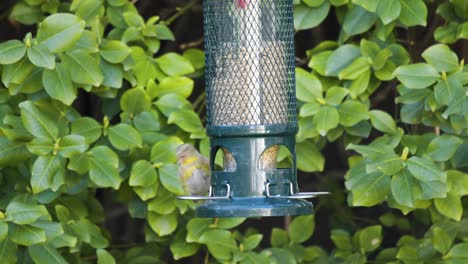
[251, 109]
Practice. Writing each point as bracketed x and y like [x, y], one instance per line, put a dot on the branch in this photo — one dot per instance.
[181, 11]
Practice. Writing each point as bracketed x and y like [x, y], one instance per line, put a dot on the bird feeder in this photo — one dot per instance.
[251, 109]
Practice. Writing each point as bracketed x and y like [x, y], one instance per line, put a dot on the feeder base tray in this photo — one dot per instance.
[253, 207]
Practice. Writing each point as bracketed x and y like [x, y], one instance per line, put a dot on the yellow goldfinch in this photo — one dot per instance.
[194, 170]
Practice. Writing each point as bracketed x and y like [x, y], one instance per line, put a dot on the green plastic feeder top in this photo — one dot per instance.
[251, 109]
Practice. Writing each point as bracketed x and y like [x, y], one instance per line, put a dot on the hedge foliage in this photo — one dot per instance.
[410, 165]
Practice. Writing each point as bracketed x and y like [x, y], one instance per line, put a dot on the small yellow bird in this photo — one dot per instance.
[194, 170]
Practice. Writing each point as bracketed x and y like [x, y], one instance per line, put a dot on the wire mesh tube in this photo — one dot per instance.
[250, 62]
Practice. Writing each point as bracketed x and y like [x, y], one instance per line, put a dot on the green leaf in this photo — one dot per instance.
[196, 227]
[164, 33]
[279, 237]
[196, 57]
[124, 137]
[89, 232]
[8, 251]
[228, 223]
[114, 51]
[179, 85]
[448, 90]
[17, 73]
[12, 51]
[164, 151]
[280, 255]
[441, 240]
[103, 166]
[341, 239]
[459, 251]
[460, 7]
[341, 58]
[22, 213]
[358, 20]
[402, 188]
[133, 19]
[388, 10]
[301, 228]
[163, 225]
[88, 9]
[309, 158]
[26, 14]
[144, 71]
[104, 257]
[441, 57]
[389, 163]
[383, 122]
[88, 128]
[360, 85]
[163, 204]
[143, 174]
[25, 235]
[372, 188]
[373, 151]
[48, 172]
[309, 109]
[220, 243]
[369, 5]
[450, 206]
[3, 231]
[353, 71]
[309, 87]
[12, 153]
[59, 32]
[72, 145]
[335, 95]
[433, 189]
[52, 229]
[417, 76]
[40, 56]
[327, 118]
[313, 3]
[135, 101]
[424, 169]
[58, 84]
[413, 12]
[306, 17]
[352, 112]
[113, 74]
[187, 120]
[442, 148]
[182, 249]
[319, 61]
[172, 102]
[169, 179]
[458, 182]
[147, 121]
[370, 238]
[45, 254]
[252, 241]
[174, 64]
[83, 68]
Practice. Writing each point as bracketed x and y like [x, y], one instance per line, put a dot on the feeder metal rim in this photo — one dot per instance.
[210, 195]
[292, 195]
[301, 195]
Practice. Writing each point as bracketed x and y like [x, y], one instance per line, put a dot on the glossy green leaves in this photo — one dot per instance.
[59, 32]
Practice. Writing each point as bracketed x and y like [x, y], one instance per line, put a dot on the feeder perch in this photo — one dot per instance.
[251, 109]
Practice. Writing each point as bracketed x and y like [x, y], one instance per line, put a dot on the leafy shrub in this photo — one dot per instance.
[63, 162]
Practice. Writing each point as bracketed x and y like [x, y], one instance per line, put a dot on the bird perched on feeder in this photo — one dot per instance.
[242, 3]
[194, 170]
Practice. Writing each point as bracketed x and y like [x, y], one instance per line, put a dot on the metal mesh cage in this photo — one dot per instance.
[250, 62]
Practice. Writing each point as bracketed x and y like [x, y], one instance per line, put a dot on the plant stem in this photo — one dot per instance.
[181, 11]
